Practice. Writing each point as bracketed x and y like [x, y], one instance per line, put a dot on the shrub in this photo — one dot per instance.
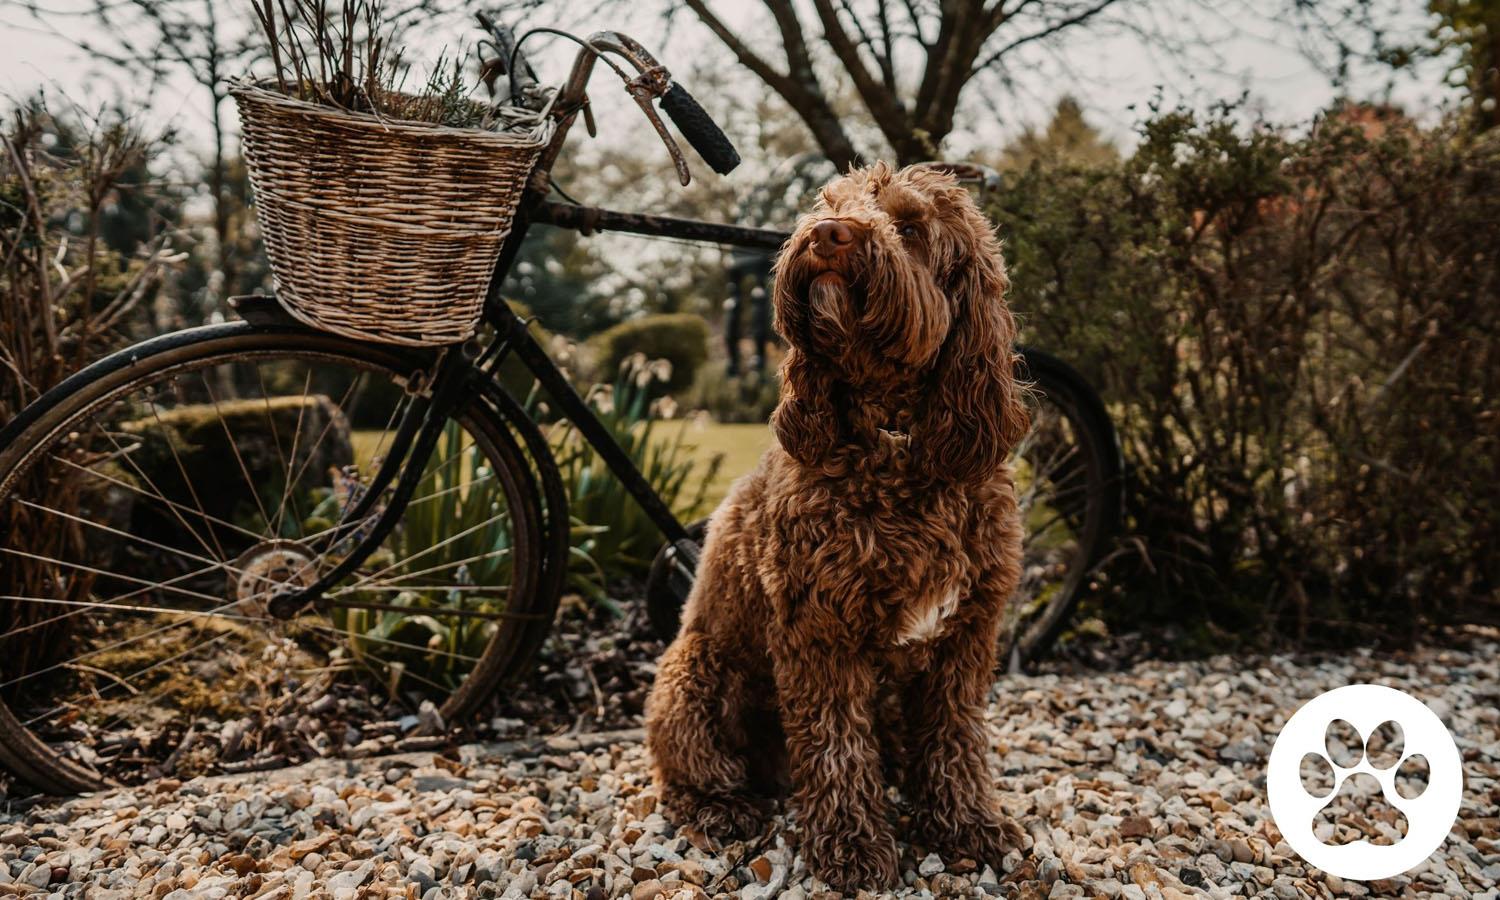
[748, 397]
[1300, 341]
[679, 338]
[66, 298]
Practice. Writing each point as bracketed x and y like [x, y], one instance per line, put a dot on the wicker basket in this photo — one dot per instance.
[379, 229]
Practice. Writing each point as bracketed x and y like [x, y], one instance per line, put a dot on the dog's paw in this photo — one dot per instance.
[849, 865]
[987, 841]
[723, 816]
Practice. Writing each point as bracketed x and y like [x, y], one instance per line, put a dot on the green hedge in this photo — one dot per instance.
[679, 338]
[1300, 341]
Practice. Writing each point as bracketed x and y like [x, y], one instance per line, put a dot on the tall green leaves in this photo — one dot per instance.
[622, 539]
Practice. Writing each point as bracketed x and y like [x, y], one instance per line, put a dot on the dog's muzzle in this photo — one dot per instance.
[832, 239]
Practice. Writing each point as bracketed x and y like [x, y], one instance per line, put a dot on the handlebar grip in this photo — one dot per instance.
[700, 129]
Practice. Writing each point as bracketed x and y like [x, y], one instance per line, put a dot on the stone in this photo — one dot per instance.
[646, 890]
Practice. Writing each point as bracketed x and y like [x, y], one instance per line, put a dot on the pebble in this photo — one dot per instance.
[1145, 784]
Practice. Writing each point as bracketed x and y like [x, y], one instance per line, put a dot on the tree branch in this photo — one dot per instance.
[1063, 24]
[884, 106]
[798, 86]
[747, 57]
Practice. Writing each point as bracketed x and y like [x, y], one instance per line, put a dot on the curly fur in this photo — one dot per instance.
[843, 623]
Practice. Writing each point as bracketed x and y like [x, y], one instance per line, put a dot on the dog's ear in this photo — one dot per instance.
[806, 420]
[977, 411]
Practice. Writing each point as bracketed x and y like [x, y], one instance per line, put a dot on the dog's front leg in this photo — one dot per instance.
[948, 781]
[827, 699]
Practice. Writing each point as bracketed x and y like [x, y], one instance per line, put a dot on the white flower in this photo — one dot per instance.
[602, 397]
[664, 408]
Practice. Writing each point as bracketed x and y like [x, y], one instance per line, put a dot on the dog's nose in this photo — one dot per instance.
[831, 237]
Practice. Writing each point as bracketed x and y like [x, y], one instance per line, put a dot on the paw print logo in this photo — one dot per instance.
[1364, 738]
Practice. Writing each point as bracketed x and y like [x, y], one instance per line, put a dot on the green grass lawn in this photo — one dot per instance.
[740, 445]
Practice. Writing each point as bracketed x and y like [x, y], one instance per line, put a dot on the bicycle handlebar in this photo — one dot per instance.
[712, 144]
[651, 81]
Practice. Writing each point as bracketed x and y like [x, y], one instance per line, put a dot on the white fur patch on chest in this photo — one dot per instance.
[925, 621]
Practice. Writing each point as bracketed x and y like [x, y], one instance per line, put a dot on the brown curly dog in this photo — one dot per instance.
[843, 623]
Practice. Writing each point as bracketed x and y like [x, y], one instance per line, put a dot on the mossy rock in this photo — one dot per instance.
[233, 460]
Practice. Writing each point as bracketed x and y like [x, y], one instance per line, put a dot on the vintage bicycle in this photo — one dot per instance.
[281, 522]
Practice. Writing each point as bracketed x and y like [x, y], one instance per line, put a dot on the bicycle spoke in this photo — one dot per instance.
[271, 424]
[125, 534]
[286, 489]
[112, 606]
[235, 447]
[152, 485]
[97, 571]
[438, 546]
[360, 585]
[186, 479]
[327, 426]
[163, 500]
[33, 626]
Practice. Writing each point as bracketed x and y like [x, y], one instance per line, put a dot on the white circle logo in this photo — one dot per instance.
[1429, 816]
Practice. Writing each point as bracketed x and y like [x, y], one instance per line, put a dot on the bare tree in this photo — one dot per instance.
[908, 61]
[150, 41]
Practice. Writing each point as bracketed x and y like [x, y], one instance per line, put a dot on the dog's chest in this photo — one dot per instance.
[926, 618]
[899, 569]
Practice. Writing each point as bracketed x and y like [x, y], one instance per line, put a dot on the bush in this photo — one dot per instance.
[749, 397]
[66, 298]
[1300, 342]
[679, 338]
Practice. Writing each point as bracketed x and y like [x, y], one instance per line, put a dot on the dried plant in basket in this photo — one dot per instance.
[341, 58]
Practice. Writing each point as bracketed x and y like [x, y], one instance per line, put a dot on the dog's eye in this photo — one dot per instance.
[908, 230]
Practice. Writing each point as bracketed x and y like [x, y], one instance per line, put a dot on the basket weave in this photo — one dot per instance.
[379, 229]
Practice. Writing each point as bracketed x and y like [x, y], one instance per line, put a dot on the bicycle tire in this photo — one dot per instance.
[531, 597]
[1059, 386]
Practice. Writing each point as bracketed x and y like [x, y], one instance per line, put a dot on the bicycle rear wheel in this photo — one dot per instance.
[151, 506]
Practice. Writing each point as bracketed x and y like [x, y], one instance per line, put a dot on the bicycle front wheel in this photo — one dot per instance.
[1069, 478]
[153, 504]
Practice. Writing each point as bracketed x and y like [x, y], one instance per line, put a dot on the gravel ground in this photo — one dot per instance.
[1141, 783]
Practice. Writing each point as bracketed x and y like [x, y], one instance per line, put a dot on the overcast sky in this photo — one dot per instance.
[1242, 52]
[1236, 50]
